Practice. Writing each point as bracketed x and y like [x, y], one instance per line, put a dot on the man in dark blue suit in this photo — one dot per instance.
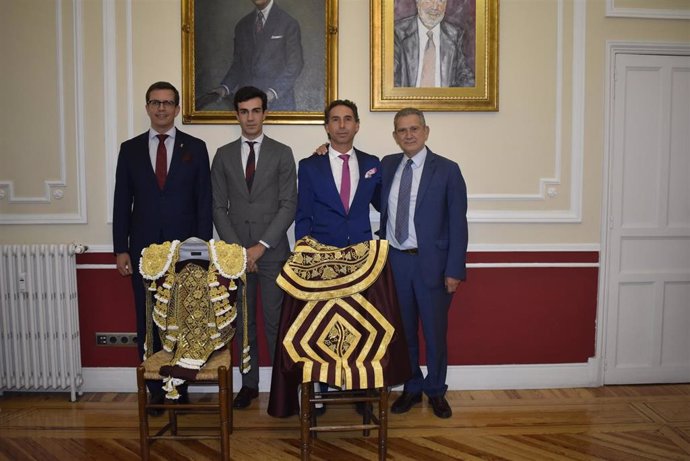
[334, 190]
[162, 193]
[423, 216]
[267, 54]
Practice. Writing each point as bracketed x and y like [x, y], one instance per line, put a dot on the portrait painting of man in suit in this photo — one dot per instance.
[434, 43]
[278, 46]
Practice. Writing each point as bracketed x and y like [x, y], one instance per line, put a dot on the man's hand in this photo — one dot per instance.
[452, 284]
[254, 253]
[124, 264]
[212, 96]
[322, 149]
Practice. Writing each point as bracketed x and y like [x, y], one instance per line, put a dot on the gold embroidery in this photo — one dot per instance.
[320, 272]
[191, 308]
[367, 334]
[156, 259]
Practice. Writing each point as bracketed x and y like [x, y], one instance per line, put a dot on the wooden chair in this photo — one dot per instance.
[217, 370]
[308, 421]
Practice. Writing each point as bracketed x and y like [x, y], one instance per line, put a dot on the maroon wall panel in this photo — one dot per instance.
[500, 315]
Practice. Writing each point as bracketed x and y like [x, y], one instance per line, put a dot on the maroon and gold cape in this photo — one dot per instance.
[340, 322]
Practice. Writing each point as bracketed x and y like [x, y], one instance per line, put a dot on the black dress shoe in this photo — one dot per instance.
[440, 406]
[156, 399]
[320, 411]
[244, 397]
[361, 407]
[184, 398]
[403, 403]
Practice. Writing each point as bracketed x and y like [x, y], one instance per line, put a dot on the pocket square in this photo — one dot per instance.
[370, 173]
[276, 37]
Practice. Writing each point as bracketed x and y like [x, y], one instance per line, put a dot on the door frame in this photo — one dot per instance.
[613, 49]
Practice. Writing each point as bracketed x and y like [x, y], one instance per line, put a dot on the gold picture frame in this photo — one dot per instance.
[478, 22]
[208, 37]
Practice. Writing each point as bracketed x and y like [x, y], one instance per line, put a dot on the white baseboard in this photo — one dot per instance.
[538, 376]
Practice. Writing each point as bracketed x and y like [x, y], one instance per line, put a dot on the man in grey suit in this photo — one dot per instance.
[254, 201]
[428, 50]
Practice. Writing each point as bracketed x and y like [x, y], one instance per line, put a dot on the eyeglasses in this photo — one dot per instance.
[168, 104]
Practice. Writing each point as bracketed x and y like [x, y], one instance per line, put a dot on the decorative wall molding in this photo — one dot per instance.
[54, 188]
[111, 83]
[650, 13]
[547, 186]
[110, 103]
[481, 247]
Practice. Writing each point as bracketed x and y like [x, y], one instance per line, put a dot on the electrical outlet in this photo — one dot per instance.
[116, 339]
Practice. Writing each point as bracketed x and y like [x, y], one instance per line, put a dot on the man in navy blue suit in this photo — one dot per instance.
[162, 193]
[334, 190]
[423, 216]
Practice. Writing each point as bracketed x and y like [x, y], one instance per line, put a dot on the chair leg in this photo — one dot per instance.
[383, 422]
[223, 402]
[143, 415]
[366, 416]
[307, 392]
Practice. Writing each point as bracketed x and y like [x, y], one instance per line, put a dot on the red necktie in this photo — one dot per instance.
[251, 165]
[345, 183]
[161, 161]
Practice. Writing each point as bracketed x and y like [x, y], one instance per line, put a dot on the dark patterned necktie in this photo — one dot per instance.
[402, 214]
[251, 165]
[259, 26]
[161, 161]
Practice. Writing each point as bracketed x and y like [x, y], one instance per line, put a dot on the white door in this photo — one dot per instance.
[647, 271]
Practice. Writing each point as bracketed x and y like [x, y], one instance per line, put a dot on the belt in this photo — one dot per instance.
[411, 251]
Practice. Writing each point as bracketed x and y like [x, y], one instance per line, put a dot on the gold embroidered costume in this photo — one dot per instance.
[192, 299]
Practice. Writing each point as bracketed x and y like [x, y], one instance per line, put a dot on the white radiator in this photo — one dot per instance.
[39, 342]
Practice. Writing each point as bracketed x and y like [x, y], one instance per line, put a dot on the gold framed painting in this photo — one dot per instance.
[291, 54]
[452, 65]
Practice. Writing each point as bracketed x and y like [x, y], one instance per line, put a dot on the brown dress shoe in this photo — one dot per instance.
[440, 406]
[403, 403]
[244, 397]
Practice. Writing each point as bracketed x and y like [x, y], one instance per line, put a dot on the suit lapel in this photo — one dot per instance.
[447, 54]
[266, 162]
[176, 160]
[425, 180]
[387, 180]
[235, 167]
[411, 45]
[145, 157]
[329, 186]
[361, 164]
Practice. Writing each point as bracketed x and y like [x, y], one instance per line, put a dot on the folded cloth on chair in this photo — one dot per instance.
[340, 322]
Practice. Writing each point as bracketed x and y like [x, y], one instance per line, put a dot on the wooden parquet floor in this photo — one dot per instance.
[615, 423]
